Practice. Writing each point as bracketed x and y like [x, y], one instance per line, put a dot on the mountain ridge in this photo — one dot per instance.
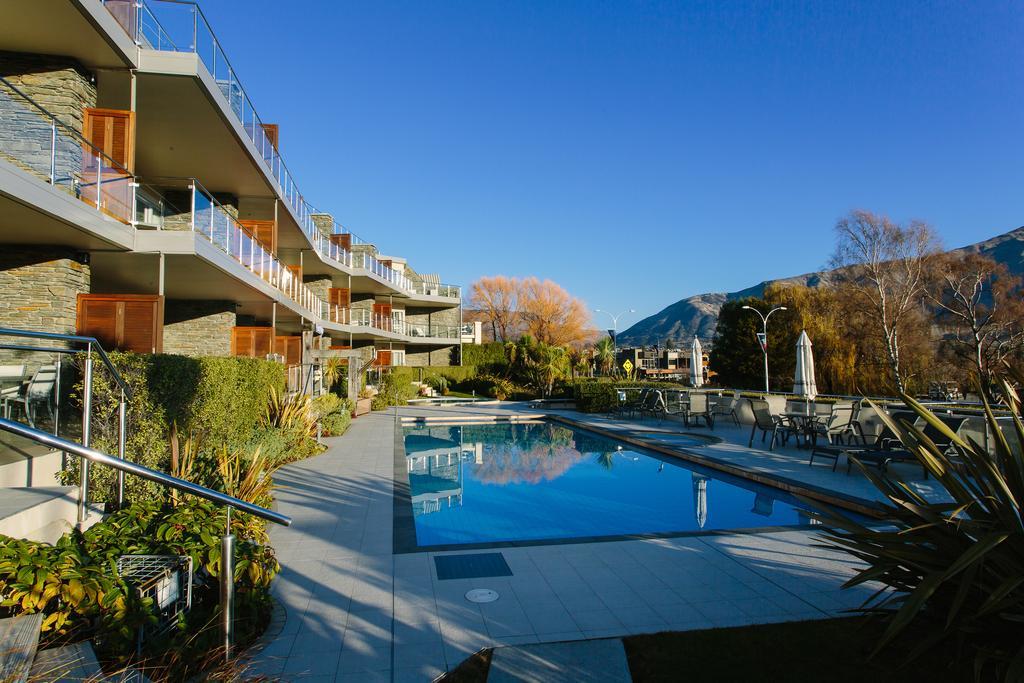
[698, 314]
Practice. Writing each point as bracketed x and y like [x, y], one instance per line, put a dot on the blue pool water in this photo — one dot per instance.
[514, 482]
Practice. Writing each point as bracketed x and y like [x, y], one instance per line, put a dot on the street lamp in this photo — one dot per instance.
[615, 329]
[763, 337]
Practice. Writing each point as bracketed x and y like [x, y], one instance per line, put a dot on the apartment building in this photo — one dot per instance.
[145, 202]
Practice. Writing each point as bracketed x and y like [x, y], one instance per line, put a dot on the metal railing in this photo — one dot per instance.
[428, 289]
[92, 345]
[227, 569]
[36, 141]
[181, 26]
[209, 218]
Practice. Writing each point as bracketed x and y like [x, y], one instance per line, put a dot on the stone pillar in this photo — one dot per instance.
[324, 222]
[60, 85]
[319, 284]
[198, 328]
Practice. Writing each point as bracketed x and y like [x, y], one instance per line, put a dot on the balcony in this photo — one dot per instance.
[37, 143]
[195, 209]
[179, 26]
[387, 325]
[441, 290]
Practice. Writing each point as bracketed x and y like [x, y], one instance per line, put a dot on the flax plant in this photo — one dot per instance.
[952, 572]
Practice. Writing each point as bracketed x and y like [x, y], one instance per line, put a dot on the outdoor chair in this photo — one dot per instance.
[677, 402]
[11, 379]
[39, 391]
[836, 426]
[888, 448]
[767, 423]
[626, 405]
[700, 409]
[726, 406]
[654, 405]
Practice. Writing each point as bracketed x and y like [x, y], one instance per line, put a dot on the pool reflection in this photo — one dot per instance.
[505, 482]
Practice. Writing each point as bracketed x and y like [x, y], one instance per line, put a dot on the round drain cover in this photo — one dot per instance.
[482, 595]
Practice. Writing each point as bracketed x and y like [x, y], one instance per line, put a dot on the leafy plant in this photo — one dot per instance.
[333, 369]
[438, 383]
[954, 570]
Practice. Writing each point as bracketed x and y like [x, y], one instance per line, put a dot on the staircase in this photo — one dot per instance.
[22, 661]
[42, 513]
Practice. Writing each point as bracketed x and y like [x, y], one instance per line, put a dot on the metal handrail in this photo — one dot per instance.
[128, 467]
[55, 336]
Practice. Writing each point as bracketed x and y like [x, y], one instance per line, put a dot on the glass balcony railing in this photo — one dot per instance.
[430, 289]
[181, 26]
[209, 218]
[422, 330]
[37, 142]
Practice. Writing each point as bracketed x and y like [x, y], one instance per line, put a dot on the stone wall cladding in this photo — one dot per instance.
[319, 284]
[420, 356]
[63, 88]
[60, 85]
[198, 328]
[40, 288]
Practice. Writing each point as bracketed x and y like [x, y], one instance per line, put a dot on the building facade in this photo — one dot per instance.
[144, 202]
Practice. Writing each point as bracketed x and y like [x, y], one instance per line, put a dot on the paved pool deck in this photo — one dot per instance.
[352, 610]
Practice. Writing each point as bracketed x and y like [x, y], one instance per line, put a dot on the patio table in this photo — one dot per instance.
[804, 423]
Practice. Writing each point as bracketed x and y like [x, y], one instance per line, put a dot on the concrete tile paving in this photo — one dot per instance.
[352, 610]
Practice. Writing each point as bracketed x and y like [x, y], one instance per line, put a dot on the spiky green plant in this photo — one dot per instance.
[953, 572]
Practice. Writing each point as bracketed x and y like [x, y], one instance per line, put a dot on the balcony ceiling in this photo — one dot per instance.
[82, 29]
[181, 133]
[185, 277]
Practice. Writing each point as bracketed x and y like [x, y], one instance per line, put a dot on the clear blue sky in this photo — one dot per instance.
[635, 152]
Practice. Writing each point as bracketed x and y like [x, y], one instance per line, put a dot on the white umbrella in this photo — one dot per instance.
[696, 363]
[803, 380]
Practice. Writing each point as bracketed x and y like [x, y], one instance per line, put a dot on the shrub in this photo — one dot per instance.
[335, 414]
[598, 395]
[224, 399]
[395, 389]
[73, 582]
[955, 569]
[491, 357]
[438, 383]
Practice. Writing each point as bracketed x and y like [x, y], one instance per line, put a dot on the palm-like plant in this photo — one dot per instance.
[604, 352]
[954, 570]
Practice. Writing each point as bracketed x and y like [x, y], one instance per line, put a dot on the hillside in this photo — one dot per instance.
[698, 315]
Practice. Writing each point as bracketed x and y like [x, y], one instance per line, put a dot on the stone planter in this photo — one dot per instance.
[363, 406]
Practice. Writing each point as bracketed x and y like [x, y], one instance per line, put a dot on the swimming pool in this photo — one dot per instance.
[494, 483]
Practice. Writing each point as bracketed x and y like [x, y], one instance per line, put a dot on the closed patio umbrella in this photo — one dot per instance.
[803, 380]
[696, 363]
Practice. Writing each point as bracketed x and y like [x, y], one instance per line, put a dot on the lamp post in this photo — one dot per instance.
[615, 330]
[764, 336]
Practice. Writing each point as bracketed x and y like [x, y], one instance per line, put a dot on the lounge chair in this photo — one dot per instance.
[767, 423]
[888, 448]
[653, 405]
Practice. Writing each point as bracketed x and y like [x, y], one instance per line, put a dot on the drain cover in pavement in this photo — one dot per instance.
[482, 595]
[471, 566]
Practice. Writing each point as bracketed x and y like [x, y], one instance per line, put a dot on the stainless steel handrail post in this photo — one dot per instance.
[83, 470]
[99, 181]
[56, 398]
[227, 587]
[122, 435]
[53, 151]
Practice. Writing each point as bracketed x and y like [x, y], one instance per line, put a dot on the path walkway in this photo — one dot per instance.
[354, 611]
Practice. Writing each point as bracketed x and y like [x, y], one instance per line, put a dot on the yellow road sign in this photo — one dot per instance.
[627, 366]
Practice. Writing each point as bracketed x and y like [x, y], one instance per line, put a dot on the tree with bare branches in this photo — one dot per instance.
[978, 302]
[497, 299]
[887, 267]
[552, 315]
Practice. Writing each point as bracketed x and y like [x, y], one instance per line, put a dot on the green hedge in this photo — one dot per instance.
[598, 395]
[492, 356]
[220, 400]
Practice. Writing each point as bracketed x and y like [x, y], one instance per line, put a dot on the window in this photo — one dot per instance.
[398, 358]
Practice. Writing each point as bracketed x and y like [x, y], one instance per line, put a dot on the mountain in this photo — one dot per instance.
[698, 315]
